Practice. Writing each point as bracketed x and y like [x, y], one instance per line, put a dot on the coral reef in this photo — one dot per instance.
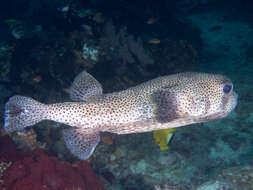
[169, 187]
[123, 45]
[25, 141]
[37, 170]
[6, 52]
[3, 167]
[176, 56]
[239, 177]
[90, 53]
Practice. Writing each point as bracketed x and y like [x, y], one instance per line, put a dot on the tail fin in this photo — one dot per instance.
[21, 112]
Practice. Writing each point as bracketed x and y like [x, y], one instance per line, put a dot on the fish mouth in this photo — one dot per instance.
[234, 101]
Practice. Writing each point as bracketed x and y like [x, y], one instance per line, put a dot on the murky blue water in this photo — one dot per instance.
[45, 44]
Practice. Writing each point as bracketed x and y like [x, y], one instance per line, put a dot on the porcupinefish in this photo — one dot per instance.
[165, 102]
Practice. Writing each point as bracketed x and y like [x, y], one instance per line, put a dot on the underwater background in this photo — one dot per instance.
[45, 44]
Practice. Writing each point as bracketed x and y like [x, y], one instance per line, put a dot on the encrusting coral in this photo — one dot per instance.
[37, 170]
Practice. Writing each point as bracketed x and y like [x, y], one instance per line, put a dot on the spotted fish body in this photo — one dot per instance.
[165, 102]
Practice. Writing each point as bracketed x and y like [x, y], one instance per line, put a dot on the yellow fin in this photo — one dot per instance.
[162, 138]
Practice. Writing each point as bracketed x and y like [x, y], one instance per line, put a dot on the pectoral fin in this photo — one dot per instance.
[85, 87]
[81, 142]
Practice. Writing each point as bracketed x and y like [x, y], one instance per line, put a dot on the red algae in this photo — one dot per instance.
[37, 170]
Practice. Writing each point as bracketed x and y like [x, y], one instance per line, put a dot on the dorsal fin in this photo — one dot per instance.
[81, 142]
[85, 87]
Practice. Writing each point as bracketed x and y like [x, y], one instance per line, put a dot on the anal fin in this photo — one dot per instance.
[81, 142]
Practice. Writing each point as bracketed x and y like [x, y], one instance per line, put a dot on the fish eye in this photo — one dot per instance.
[227, 88]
